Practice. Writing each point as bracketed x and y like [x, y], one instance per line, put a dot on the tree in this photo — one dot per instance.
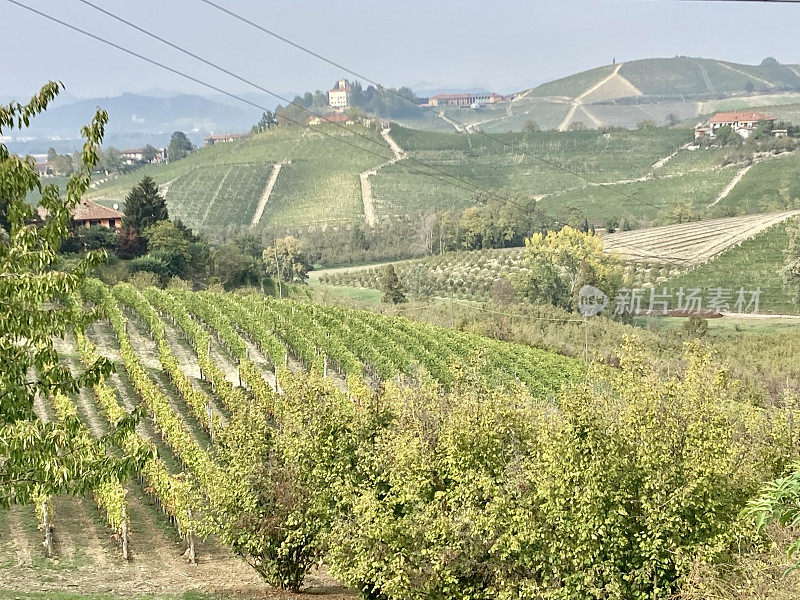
[267, 122]
[558, 264]
[112, 160]
[166, 243]
[531, 126]
[286, 260]
[391, 287]
[51, 154]
[234, 268]
[144, 207]
[37, 458]
[130, 244]
[149, 153]
[672, 120]
[179, 146]
[646, 124]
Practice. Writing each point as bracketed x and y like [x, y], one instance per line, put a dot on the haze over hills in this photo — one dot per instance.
[622, 94]
[134, 120]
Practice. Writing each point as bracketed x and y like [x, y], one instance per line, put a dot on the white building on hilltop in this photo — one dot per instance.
[339, 96]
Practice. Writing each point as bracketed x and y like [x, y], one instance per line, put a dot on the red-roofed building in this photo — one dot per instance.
[742, 122]
[89, 213]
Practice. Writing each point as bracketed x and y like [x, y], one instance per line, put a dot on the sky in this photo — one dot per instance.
[500, 45]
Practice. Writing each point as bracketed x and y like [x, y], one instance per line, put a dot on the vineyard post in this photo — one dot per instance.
[125, 554]
[210, 412]
[586, 338]
[48, 529]
[190, 533]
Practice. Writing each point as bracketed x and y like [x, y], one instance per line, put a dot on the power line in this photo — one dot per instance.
[460, 183]
[319, 56]
[98, 38]
[261, 88]
[255, 85]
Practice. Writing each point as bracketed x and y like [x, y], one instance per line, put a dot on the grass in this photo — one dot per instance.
[574, 85]
[642, 200]
[769, 186]
[726, 327]
[220, 186]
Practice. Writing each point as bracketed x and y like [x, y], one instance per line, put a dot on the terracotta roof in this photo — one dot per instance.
[88, 211]
[336, 118]
[449, 96]
[91, 210]
[730, 117]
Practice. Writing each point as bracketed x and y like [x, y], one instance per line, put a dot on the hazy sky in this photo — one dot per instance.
[502, 45]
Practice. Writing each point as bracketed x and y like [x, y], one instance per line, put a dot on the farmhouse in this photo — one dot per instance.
[222, 138]
[332, 118]
[339, 95]
[89, 213]
[135, 156]
[464, 99]
[741, 122]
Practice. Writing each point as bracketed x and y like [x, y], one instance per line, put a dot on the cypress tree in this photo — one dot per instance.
[144, 206]
[391, 287]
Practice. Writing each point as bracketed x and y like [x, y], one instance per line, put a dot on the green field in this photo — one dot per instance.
[769, 186]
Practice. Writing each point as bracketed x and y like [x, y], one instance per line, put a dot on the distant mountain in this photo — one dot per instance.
[134, 120]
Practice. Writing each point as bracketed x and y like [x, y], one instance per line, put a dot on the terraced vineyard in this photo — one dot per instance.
[541, 163]
[690, 243]
[195, 361]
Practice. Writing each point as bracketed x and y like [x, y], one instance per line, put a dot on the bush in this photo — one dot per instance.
[616, 493]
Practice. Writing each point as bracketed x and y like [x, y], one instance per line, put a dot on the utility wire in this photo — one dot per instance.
[457, 182]
[220, 90]
[303, 108]
[319, 56]
[258, 87]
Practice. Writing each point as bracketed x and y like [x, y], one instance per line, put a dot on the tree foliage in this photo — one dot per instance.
[558, 264]
[391, 287]
[144, 206]
[179, 146]
[39, 458]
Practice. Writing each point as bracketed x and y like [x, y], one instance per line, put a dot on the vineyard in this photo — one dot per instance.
[729, 252]
[197, 363]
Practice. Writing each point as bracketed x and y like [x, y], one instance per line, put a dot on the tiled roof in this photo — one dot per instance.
[731, 117]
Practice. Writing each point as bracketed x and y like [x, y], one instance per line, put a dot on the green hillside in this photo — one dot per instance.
[221, 186]
[540, 163]
[756, 263]
[680, 76]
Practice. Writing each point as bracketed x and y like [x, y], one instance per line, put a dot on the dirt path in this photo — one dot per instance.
[450, 121]
[262, 204]
[663, 161]
[729, 188]
[579, 100]
[769, 83]
[367, 199]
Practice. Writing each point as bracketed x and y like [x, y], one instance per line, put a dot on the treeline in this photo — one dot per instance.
[153, 249]
[380, 102]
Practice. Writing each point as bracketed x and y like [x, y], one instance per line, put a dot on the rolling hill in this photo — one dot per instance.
[665, 90]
